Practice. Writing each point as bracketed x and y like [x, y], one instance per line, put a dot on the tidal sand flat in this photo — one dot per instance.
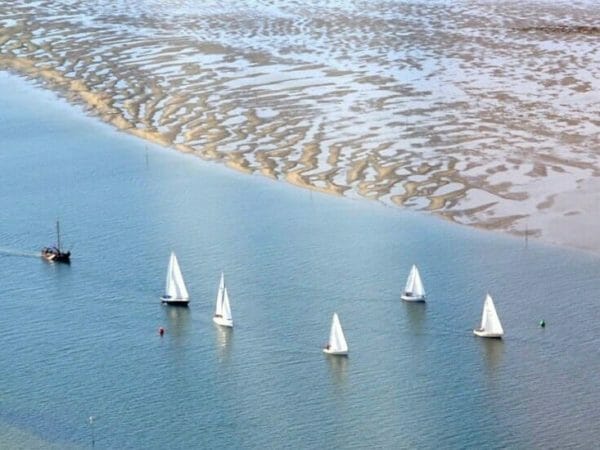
[81, 340]
[486, 113]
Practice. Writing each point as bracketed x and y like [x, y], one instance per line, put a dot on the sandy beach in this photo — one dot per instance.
[485, 114]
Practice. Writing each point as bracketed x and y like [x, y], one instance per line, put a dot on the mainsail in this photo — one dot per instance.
[223, 309]
[337, 341]
[414, 285]
[175, 288]
[490, 323]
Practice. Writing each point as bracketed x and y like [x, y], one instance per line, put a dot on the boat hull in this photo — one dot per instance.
[487, 334]
[223, 322]
[334, 352]
[61, 257]
[166, 300]
[412, 298]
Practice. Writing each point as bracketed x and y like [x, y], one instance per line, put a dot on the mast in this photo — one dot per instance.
[58, 234]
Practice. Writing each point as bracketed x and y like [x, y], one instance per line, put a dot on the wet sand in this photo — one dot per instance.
[487, 114]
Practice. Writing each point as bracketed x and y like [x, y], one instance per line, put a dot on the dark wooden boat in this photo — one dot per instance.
[55, 253]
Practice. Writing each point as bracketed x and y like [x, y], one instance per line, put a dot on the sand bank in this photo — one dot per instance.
[488, 117]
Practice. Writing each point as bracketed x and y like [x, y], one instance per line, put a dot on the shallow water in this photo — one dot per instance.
[81, 340]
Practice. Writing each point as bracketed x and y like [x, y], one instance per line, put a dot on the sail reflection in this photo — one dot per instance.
[338, 368]
[224, 341]
[416, 312]
[60, 269]
[177, 320]
[493, 350]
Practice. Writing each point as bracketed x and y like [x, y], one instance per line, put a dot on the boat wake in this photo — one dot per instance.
[12, 252]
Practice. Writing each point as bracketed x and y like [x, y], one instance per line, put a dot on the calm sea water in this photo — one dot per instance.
[81, 340]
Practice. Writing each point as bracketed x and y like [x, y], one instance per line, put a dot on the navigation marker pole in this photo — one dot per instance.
[91, 422]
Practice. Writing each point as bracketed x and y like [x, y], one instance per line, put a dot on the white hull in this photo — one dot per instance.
[487, 334]
[223, 322]
[412, 298]
[335, 353]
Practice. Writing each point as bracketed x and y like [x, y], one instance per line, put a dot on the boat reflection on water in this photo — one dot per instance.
[338, 368]
[177, 321]
[416, 312]
[224, 342]
[493, 352]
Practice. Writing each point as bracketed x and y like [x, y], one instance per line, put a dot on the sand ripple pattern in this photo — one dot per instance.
[481, 111]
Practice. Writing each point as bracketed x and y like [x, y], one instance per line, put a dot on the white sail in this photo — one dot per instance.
[175, 288]
[418, 288]
[490, 323]
[410, 281]
[337, 341]
[223, 309]
[414, 288]
[226, 310]
[219, 307]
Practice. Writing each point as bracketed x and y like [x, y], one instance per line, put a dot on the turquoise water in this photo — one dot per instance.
[81, 340]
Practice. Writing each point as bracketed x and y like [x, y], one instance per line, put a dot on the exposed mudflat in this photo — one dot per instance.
[487, 113]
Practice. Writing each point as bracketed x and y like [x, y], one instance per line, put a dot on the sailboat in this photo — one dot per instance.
[337, 342]
[55, 252]
[175, 291]
[490, 323]
[223, 310]
[414, 290]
